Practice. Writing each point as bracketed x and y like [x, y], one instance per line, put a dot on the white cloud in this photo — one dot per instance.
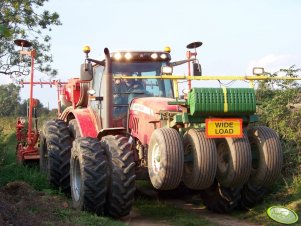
[275, 62]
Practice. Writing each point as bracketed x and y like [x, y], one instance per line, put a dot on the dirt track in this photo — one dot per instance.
[20, 205]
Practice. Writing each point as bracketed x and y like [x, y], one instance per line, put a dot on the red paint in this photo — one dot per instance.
[85, 119]
[144, 116]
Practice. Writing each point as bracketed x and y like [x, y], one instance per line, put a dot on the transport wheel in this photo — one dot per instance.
[200, 160]
[121, 189]
[220, 199]
[165, 159]
[88, 175]
[266, 164]
[43, 152]
[234, 161]
[58, 144]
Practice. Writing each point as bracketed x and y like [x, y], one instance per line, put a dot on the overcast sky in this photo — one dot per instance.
[236, 34]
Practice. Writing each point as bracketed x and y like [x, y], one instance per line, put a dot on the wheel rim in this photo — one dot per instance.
[156, 159]
[223, 157]
[76, 180]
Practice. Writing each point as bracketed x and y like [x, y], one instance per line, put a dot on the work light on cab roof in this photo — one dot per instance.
[126, 56]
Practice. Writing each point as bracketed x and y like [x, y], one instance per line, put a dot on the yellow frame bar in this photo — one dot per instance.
[208, 77]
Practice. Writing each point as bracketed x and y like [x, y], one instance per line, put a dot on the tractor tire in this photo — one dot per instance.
[266, 155]
[165, 159]
[43, 152]
[200, 160]
[234, 161]
[266, 165]
[251, 195]
[220, 199]
[58, 143]
[88, 175]
[74, 129]
[122, 176]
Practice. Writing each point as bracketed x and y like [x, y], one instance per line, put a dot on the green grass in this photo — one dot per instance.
[11, 171]
[167, 213]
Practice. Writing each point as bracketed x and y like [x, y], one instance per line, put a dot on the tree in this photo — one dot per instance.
[39, 108]
[24, 19]
[9, 99]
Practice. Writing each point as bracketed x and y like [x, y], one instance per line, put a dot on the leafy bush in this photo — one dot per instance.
[279, 109]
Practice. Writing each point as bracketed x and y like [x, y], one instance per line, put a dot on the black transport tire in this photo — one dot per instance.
[165, 159]
[234, 161]
[121, 189]
[267, 156]
[88, 175]
[58, 143]
[266, 164]
[43, 152]
[74, 129]
[220, 199]
[200, 160]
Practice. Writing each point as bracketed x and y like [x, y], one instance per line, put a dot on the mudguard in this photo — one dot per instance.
[85, 118]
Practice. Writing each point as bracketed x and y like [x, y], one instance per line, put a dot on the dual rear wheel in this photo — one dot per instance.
[103, 175]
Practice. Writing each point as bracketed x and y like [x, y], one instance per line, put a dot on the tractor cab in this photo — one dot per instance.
[140, 65]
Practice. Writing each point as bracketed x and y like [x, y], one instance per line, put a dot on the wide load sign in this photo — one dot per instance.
[224, 127]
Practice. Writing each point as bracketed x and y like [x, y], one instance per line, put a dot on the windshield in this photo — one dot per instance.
[145, 87]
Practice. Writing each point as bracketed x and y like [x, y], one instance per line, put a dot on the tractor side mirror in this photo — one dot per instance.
[197, 69]
[86, 71]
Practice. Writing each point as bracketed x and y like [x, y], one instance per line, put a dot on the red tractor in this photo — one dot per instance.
[124, 121]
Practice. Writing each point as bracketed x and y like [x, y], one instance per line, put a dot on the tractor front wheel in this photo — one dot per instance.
[165, 159]
[220, 199]
[121, 186]
[200, 160]
[88, 175]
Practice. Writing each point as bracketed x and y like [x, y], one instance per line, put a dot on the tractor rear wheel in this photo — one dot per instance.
[165, 159]
[58, 146]
[220, 199]
[74, 129]
[88, 175]
[266, 164]
[200, 160]
[43, 152]
[121, 187]
[234, 161]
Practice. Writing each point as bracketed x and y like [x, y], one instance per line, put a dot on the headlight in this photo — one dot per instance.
[117, 56]
[258, 70]
[128, 56]
[167, 70]
[163, 56]
[154, 56]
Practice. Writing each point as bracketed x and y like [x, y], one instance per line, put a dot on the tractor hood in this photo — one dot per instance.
[152, 105]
